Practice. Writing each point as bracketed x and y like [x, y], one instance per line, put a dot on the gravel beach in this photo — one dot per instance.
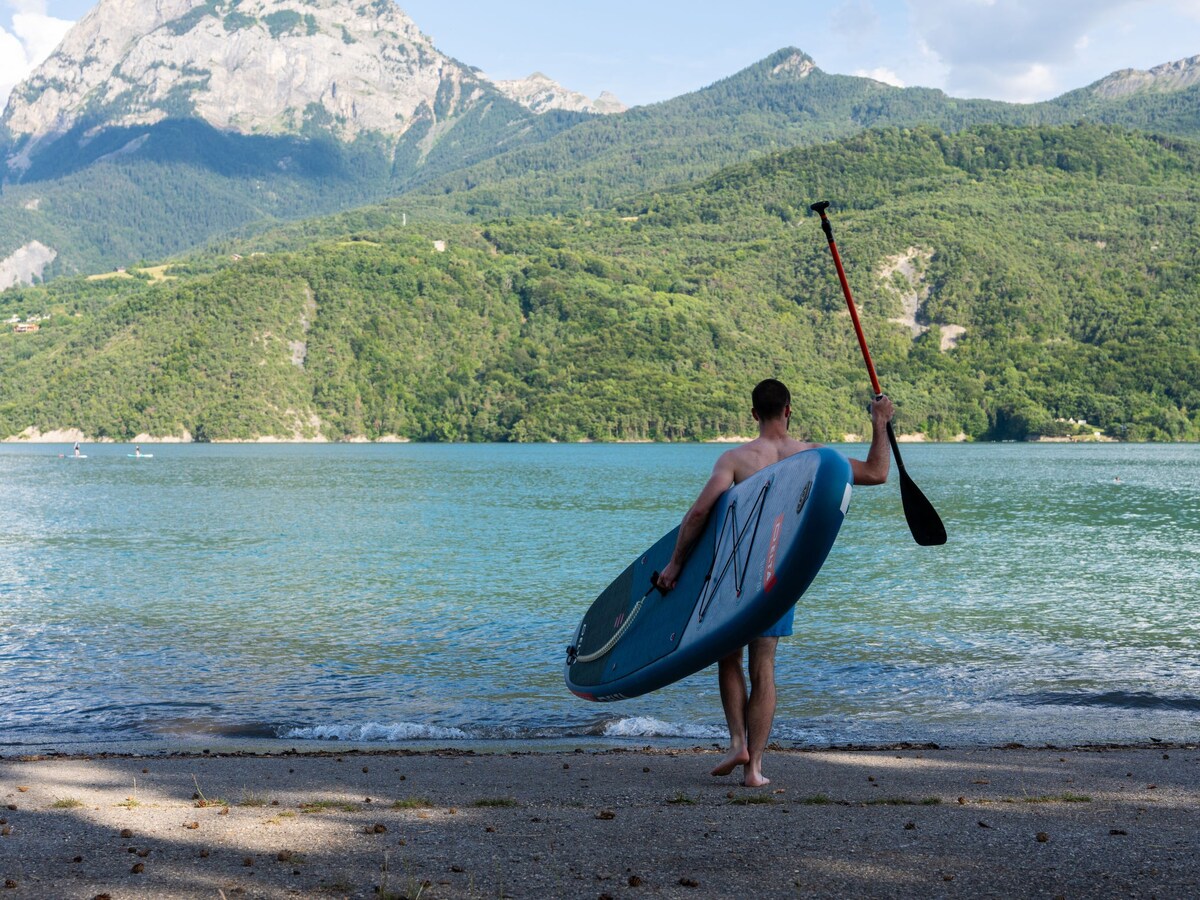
[907, 822]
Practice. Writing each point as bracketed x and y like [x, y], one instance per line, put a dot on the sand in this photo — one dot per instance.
[1002, 822]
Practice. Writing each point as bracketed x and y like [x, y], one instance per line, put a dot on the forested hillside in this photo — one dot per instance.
[781, 102]
[101, 204]
[1037, 275]
[108, 197]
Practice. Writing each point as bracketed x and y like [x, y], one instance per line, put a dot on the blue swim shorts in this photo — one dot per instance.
[783, 627]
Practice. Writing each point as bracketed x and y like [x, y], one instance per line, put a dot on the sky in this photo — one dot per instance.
[645, 51]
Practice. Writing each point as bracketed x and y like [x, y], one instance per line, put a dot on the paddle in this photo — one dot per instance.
[923, 520]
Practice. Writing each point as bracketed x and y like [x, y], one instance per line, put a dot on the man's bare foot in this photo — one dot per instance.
[756, 779]
[737, 756]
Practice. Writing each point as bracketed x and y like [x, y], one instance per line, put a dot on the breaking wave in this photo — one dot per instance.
[375, 732]
[644, 726]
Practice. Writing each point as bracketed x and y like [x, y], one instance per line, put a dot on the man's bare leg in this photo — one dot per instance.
[760, 709]
[733, 701]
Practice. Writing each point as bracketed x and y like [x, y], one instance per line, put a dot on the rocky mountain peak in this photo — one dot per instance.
[793, 63]
[1172, 76]
[248, 66]
[258, 67]
[541, 94]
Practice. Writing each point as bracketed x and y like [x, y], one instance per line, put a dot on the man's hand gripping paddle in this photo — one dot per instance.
[923, 520]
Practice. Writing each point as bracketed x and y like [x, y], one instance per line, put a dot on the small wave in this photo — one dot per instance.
[640, 727]
[1115, 700]
[373, 731]
[644, 726]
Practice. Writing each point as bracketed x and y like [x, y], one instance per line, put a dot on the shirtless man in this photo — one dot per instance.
[749, 716]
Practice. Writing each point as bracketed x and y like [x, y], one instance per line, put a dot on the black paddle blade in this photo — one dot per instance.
[923, 521]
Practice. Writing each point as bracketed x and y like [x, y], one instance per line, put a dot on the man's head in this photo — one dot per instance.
[771, 400]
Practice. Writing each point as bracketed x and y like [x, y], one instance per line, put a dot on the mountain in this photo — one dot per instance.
[1172, 76]
[1165, 99]
[783, 101]
[256, 67]
[291, 107]
[541, 93]
[160, 125]
[1011, 281]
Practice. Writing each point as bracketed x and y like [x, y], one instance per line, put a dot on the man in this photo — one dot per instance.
[749, 716]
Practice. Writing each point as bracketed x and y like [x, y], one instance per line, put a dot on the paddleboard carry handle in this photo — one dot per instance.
[573, 654]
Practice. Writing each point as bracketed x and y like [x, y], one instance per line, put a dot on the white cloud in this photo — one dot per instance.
[887, 76]
[40, 33]
[1035, 83]
[854, 18]
[1009, 49]
[12, 60]
[14, 65]
[33, 37]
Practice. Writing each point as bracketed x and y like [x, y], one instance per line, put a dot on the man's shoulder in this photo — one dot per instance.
[749, 451]
[746, 449]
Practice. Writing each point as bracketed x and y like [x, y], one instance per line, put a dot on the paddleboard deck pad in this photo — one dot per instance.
[764, 542]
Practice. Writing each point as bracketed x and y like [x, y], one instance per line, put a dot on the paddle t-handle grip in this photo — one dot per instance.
[819, 209]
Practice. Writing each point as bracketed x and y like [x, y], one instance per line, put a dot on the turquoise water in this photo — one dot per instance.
[404, 594]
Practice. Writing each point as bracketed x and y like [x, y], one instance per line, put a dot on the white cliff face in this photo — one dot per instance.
[542, 94]
[25, 264]
[798, 65]
[1172, 76]
[260, 66]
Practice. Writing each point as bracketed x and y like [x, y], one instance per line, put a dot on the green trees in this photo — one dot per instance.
[1053, 271]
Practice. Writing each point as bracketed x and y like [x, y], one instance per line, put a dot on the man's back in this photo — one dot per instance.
[761, 452]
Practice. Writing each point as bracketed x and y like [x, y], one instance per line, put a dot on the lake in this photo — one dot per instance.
[403, 594]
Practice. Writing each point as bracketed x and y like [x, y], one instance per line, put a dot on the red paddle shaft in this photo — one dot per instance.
[820, 208]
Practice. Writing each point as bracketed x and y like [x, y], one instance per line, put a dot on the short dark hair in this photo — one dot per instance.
[770, 397]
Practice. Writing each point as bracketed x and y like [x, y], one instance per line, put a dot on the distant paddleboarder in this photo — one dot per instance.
[77, 448]
[749, 716]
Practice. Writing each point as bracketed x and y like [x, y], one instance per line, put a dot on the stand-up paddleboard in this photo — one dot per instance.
[140, 455]
[765, 541]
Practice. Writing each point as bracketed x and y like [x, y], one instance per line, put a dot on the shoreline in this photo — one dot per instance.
[50, 439]
[219, 746]
[915, 438]
[439, 823]
[498, 748]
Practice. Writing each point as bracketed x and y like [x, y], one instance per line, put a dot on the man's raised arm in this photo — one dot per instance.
[875, 469]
